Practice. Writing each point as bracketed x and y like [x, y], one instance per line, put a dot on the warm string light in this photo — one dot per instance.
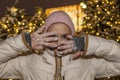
[13, 18]
[15, 22]
[103, 14]
[37, 20]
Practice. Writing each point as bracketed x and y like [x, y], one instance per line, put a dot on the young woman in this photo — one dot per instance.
[60, 55]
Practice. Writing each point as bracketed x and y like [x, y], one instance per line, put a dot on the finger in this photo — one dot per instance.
[64, 47]
[48, 34]
[78, 54]
[46, 44]
[51, 45]
[66, 42]
[44, 37]
[50, 39]
[67, 51]
[39, 48]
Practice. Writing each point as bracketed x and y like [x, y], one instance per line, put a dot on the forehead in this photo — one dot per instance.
[59, 28]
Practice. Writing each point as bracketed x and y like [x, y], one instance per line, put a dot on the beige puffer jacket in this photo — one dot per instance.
[42, 67]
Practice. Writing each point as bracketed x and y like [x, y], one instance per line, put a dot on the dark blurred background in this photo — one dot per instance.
[29, 5]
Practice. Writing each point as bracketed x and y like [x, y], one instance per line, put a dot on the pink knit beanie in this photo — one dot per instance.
[59, 16]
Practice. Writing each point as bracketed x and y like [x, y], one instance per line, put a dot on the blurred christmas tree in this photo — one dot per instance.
[102, 18]
[37, 20]
[15, 22]
[12, 23]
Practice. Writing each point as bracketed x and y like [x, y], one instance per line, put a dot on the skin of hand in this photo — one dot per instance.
[65, 43]
[39, 40]
[57, 37]
[67, 47]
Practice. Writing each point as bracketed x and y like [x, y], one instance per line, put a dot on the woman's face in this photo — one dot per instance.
[61, 31]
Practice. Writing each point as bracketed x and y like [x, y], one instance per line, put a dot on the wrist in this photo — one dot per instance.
[26, 41]
[28, 38]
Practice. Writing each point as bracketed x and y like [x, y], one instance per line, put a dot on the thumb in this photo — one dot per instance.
[78, 54]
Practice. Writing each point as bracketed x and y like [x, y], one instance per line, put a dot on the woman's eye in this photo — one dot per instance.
[64, 36]
[53, 36]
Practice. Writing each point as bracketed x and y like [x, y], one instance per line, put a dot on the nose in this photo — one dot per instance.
[59, 40]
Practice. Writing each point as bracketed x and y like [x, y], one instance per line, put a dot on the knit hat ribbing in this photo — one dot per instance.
[59, 16]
